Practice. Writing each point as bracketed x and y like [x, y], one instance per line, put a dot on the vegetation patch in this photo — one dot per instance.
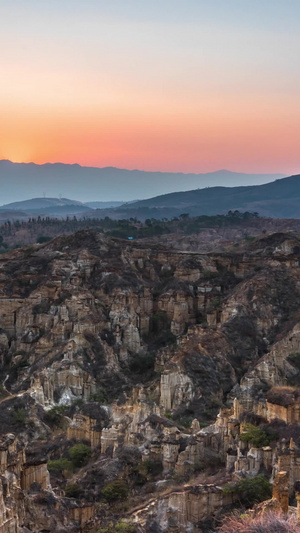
[266, 523]
[283, 396]
[73, 490]
[80, 454]
[255, 436]
[120, 527]
[250, 490]
[54, 416]
[115, 491]
[19, 416]
[58, 466]
[294, 359]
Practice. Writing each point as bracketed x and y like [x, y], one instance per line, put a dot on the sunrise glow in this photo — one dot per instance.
[156, 87]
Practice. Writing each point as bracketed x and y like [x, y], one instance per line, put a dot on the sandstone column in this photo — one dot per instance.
[281, 490]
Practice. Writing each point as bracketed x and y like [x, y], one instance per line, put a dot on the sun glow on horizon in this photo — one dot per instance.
[154, 87]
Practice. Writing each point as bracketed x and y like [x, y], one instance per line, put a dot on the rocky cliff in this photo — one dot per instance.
[131, 348]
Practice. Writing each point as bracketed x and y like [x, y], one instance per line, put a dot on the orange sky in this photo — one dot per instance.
[156, 90]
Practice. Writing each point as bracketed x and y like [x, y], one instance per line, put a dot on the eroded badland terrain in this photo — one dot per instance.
[138, 380]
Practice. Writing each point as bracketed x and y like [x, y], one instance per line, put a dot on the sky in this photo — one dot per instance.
[170, 85]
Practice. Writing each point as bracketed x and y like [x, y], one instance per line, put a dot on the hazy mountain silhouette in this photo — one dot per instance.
[278, 199]
[40, 203]
[28, 180]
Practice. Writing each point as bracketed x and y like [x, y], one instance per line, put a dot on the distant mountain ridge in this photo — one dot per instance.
[39, 203]
[278, 199]
[87, 184]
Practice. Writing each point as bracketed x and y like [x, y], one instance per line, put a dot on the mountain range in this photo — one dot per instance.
[86, 184]
[276, 199]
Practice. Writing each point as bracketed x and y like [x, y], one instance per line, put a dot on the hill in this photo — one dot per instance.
[39, 203]
[44, 207]
[278, 199]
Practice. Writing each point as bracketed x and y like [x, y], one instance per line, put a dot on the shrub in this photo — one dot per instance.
[140, 363]
[57, 466]
[80, 454]
[184, 421]
[43, 238]
[294, 359]
[209, 274]
[251, 418]
[100, 396]
[115, 491]
[19, 416]
[73, 490]
[181, 420]
[250, 490]
[284, 396]
[255, 436]
[54, 415]
[261, 524]
[120, 527]
[149, 466]
[284, 431]
[213, 304]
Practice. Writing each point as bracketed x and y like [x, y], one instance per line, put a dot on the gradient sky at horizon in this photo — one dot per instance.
[190, 86]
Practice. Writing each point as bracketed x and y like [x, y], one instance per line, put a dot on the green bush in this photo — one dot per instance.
[149, 466]
[19, 416]
[57, 466]
[80, 454]
[250, 490]
[73, 490]
[43, 238]
[209, 274]
[100, 396]
[213, 304]
[115, 491]
[294, 359]
[184, 421]
[120, 527]
[54, 415]
[255, 436]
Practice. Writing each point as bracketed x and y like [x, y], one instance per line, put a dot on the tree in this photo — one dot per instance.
[115, 491]
[250, 490]
[80, 454]
[255, 436]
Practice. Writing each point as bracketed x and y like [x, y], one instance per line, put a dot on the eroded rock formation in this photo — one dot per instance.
[130, 349]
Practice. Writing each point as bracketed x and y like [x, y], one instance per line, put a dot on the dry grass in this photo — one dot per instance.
[269, 523]
[284, 396]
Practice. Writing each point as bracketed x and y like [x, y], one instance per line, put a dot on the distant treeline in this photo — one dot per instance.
[42, 229]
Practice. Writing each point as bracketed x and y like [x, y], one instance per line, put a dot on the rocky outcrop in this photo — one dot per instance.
[182, 510]
[83, 428]
[138, 346]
